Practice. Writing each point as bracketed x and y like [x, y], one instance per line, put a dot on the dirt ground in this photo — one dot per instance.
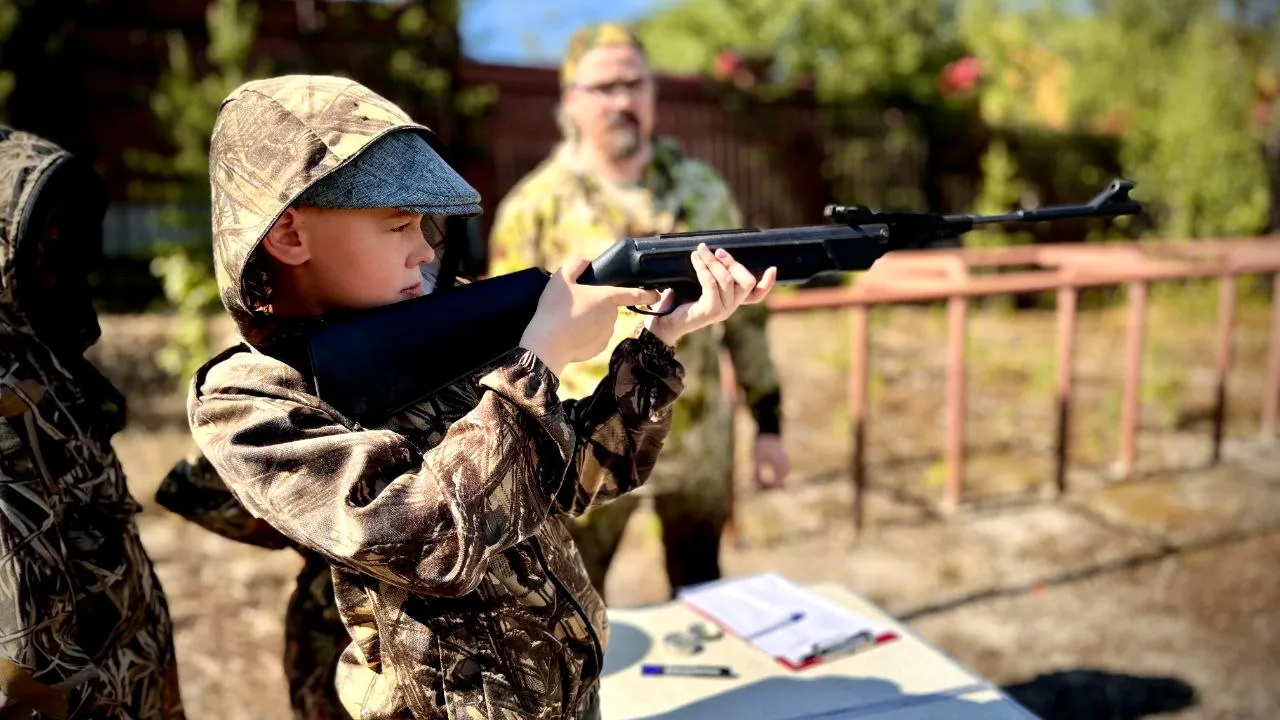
[1157, 597]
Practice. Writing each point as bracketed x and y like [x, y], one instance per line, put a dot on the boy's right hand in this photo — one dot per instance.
[575, 322]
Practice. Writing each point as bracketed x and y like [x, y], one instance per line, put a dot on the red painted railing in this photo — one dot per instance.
[944, 275]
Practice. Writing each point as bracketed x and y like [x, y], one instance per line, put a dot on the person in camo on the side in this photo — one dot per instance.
[85, 630]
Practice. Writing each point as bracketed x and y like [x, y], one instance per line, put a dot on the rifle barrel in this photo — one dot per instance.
[1050, 213]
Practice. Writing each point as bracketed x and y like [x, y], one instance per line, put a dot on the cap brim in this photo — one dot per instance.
[397, 172]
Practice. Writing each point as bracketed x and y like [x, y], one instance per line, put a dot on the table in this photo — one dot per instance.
[905, 679]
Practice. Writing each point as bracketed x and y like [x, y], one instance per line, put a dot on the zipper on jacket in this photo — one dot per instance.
[591, 630]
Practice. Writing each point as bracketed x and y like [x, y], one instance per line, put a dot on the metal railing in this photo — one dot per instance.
[944, 275]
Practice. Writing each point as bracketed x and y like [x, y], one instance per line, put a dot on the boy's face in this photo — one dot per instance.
[354, 259]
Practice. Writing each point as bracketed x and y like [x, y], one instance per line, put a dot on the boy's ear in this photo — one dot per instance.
[284, 240]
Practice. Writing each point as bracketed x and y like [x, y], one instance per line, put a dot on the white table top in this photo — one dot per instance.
[904, 679]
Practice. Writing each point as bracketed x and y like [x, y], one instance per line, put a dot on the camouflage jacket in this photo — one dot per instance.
[560, 209]
[85, 630]
[452, 571]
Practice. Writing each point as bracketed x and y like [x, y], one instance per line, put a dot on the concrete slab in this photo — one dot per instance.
[1189, 507]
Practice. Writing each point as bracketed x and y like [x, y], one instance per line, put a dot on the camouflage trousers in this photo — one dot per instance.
[692, 525]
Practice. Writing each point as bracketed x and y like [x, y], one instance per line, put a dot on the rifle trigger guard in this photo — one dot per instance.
[636, 309]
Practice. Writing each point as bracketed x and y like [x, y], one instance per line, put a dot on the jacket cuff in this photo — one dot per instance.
[767, 411]
[648, 377]
[527, 383]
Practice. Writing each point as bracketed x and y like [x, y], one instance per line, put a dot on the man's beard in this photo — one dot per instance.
[623, 138]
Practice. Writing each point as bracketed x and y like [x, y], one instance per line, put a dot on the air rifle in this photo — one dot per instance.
[375, 363]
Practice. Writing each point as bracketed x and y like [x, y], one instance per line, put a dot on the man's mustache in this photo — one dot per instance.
[623, 118]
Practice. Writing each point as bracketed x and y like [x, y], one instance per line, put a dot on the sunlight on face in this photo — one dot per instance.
[365, 258]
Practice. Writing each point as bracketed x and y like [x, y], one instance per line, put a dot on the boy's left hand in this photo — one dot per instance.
[726, 285]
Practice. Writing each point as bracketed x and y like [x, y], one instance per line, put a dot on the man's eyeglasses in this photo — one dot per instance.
[635, 86]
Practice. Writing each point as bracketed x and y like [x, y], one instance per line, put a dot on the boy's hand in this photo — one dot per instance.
[575, 322]
[726, 285]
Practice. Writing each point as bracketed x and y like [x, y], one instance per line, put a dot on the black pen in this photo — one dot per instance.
[688, 670]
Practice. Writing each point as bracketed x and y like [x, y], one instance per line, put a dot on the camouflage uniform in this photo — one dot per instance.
[452, 570]
[314, 636]
[85, 630]
[561, 209]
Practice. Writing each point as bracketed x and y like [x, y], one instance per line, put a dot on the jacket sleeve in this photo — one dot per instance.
[427, 521]
[621, 433]
[193, 490]
[745, 336]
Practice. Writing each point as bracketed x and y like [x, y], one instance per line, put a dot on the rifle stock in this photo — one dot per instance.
[373, 364]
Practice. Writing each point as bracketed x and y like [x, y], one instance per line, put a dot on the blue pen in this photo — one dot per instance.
[792, 618]
[688, 670]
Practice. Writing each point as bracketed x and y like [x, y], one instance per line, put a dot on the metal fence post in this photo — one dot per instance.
[957, 310]
[1066, 356]
[1226, 322]
[1131, 407]
[858, 370]
[1271, 401]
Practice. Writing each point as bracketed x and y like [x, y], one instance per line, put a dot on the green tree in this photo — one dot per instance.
[1001, 192]
[1193, 148]
[1174, 78]
[851, 49]
[186, 106]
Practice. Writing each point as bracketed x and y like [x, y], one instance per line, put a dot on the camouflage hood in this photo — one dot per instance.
[273, 139]
[50, 237]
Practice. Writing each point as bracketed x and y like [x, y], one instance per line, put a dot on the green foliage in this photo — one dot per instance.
[1001, 192]
[1015, 65]
[1192, 147]
[415, 26]
[849, 48]
[421, 57]
[1174, 79]
[9, 14]
[190, 286]
[186, 106]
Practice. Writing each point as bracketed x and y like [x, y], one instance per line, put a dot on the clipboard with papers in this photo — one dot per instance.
[796, 627]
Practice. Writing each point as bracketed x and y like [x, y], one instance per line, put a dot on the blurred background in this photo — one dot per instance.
[1152, 594]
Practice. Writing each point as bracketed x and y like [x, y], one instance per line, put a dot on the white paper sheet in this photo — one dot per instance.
[762, 610]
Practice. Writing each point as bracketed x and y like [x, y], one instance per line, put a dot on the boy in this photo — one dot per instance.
[85, 630]
[452, 572]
